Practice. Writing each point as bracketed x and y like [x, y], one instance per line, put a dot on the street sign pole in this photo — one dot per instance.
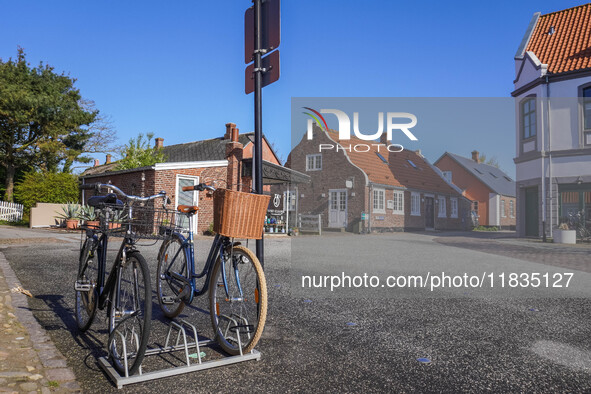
[258, 117]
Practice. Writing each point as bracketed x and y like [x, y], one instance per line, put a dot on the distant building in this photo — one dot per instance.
[553, 134]
[374, 190]
[491, 191]
[226, 159]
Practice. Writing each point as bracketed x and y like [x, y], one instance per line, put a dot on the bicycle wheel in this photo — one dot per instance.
[171, 258]
[129, 324]
[86, 285]
[238, 316]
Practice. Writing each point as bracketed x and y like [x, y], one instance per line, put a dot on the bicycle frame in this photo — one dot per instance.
[188, 247]
[105, 288]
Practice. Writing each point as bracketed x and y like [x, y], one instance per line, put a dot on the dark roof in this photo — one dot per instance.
[213, 149]
[491, 176]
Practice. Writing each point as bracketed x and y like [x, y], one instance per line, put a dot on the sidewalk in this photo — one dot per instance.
[29, 361]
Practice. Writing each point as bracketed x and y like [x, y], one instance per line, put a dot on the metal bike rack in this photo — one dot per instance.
[180, 345]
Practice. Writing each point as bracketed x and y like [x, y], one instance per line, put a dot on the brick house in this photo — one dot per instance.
[553, 120]
[491, 191]
[227, 159]
[373, 189]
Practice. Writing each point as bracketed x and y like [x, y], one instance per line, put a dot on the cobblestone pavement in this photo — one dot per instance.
[29, 361]
[577, 257]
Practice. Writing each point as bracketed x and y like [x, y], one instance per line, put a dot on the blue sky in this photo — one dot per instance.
[177, 68]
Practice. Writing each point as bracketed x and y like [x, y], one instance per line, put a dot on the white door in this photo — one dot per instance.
[186, 198]
[337, 208]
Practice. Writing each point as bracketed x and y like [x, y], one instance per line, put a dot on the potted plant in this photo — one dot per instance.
[70, 215]
[564, 234]
[90, 216]
[117, 218]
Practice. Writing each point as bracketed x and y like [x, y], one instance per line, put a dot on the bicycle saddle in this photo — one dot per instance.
[187, 208]
[99, 202]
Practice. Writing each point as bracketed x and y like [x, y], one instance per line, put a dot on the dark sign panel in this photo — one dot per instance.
[270, 28]
[271, 65]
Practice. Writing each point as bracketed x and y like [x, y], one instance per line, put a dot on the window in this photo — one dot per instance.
[512, 208]
[382, 157]
[398, 203]
[412, 164]
[503, 214]
[447, 176]
[528, 118]
[186, 198]
[314, 162]
[291, 201]
[475, 207]
[493, 175]
[415, 204]
[378, 200]
[441, 211]
[587, 115]
[453, 202]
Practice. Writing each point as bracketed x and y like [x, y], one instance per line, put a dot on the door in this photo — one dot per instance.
[429, 212]
[186, 198]
[531, 212]
[337, 208]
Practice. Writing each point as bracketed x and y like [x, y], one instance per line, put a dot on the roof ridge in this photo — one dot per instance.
[566, 9]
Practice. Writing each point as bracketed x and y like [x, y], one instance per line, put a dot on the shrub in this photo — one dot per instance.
[58, 188]
[484, 228]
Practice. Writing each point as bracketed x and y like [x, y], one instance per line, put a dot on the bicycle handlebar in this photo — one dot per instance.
[200, 187]
[99, 186]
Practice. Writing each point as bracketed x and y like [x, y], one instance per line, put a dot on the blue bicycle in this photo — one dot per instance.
[232, 274]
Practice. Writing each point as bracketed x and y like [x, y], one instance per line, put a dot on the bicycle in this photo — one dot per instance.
[233, 276]
[127, 292]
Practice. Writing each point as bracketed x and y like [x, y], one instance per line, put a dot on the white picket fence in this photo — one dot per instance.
[10, 212]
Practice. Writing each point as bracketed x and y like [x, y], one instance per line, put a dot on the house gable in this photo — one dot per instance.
[530, 69]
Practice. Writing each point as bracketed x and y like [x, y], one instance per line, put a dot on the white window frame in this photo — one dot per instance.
[453, 202]
[398, 200]
[177, 193]
[316, 162]
[441, 209]
[415, 204]
[512, 208]
[379, 191]
[503, 213]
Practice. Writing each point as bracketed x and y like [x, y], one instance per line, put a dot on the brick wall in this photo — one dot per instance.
[336, 170]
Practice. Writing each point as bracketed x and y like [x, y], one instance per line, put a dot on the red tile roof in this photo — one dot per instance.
[398, 171]
[568, 48]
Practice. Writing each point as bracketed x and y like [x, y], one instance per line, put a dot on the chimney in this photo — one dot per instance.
[96, 162]
[234, 137]
[108, 159]
[158, 143]
[418, 152]
[229, 128]
[475, 156]
[384, 139]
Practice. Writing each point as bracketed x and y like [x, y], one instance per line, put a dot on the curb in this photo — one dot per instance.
[52, 360]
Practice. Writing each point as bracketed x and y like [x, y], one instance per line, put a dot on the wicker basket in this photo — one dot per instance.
[238, 214]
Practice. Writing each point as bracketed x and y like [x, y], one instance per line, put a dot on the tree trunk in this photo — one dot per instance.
[8, 195]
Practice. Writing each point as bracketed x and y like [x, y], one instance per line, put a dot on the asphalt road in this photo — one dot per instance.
[345, 344]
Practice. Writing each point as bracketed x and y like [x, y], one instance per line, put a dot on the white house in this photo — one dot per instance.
[553, 120]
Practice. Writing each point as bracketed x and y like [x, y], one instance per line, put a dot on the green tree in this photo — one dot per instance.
[491, 162]
[35, 187]
[42, 120]
[139, 152]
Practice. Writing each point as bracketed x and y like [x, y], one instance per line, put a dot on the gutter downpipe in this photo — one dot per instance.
[549, 153]
[543, 154]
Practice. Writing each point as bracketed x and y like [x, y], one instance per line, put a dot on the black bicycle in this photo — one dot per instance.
[127, 291]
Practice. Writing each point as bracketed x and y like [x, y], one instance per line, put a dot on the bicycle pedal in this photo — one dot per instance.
[82, 286]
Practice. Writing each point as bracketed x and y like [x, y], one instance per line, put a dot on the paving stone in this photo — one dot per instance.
[36, 377]
[29, 386]
[60, 374]
[14, 374]
[54, 363]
